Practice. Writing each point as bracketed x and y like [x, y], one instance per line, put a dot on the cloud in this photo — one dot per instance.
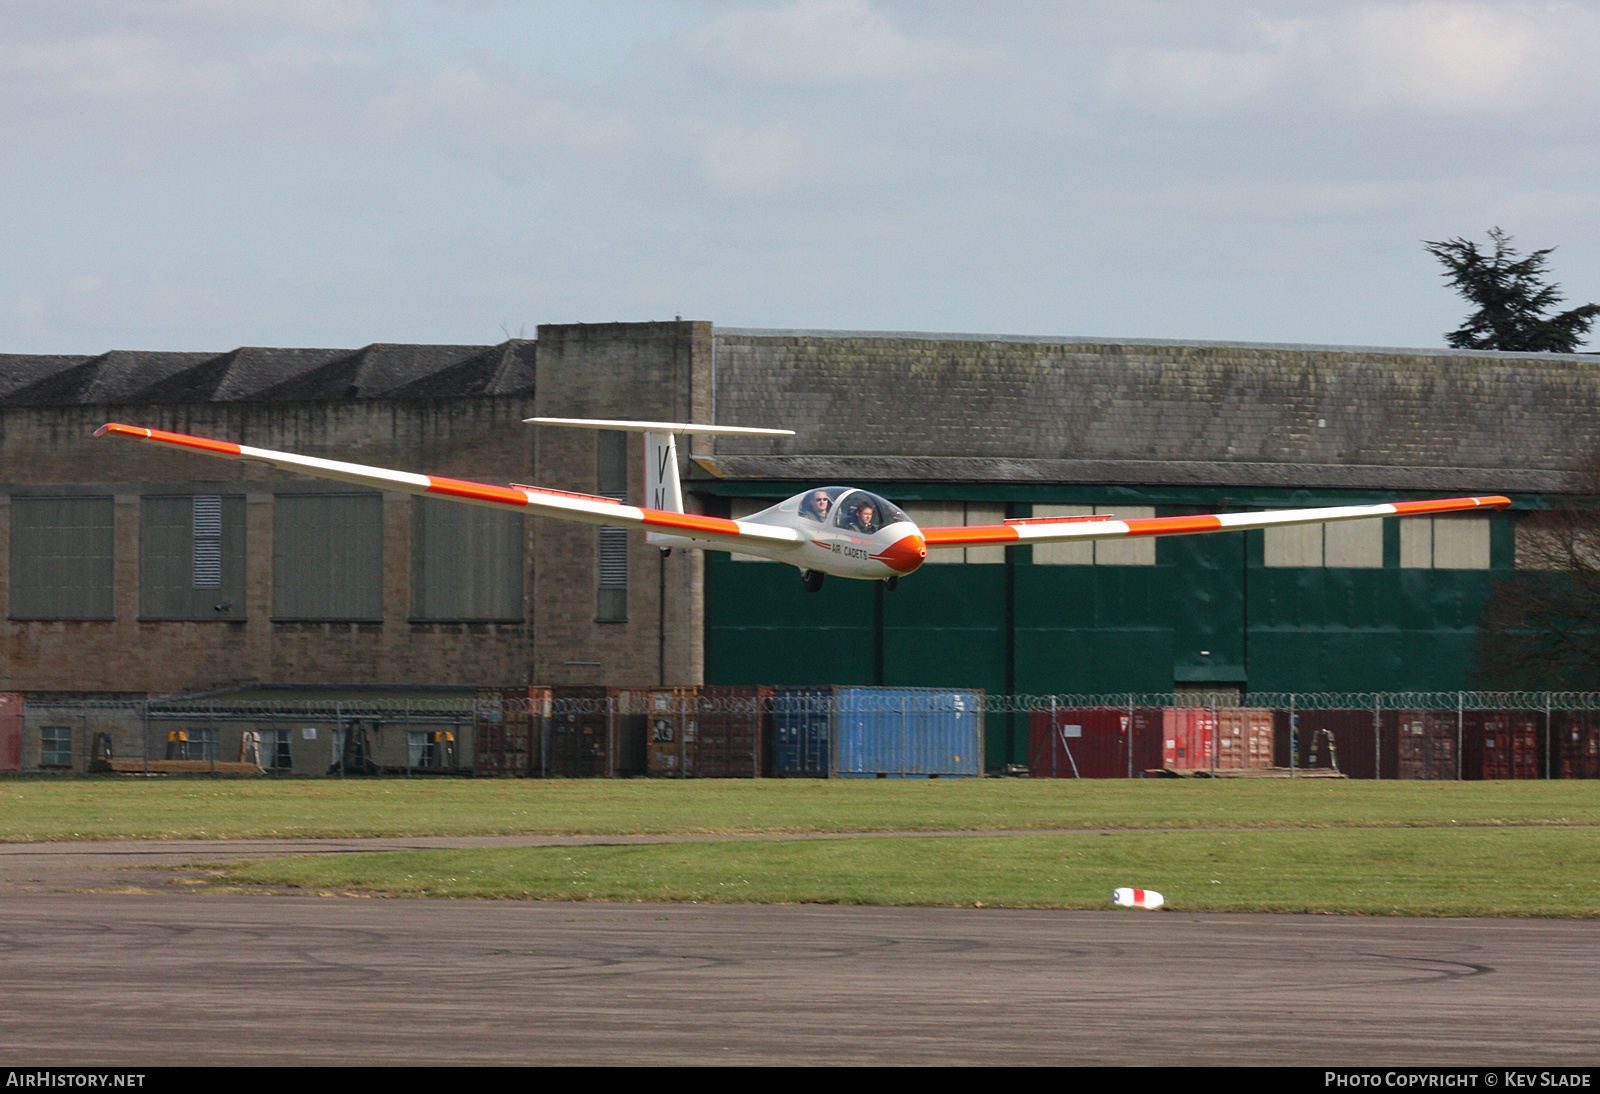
[1452, 57]
[1441, 57]
[820, 42]
[326, 17]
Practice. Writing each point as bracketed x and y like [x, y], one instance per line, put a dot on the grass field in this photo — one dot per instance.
[41, 808]
[1475, 871]
[1411, 848]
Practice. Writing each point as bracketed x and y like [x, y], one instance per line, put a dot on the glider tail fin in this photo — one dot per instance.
[662, 490]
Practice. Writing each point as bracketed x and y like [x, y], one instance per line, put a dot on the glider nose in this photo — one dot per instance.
[905, 554]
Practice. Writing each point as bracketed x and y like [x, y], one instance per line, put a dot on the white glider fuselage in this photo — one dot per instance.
[841, 531]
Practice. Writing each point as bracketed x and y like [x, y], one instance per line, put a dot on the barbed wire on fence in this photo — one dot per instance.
[794, 701]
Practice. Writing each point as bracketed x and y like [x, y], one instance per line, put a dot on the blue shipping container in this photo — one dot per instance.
[801, 721]
[913, 733]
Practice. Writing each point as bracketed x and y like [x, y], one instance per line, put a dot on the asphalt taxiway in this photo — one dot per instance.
[162, 977]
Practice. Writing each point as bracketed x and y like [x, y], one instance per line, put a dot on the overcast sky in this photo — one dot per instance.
[204, 174]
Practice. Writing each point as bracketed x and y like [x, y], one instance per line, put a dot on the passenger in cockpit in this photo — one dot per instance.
[864, 517]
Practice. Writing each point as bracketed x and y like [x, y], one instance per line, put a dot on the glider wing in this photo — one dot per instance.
[586, 508]
[1067, 529]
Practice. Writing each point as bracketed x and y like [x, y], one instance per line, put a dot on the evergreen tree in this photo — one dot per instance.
[1512, 298]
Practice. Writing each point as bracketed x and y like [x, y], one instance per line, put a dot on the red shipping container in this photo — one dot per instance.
[1511, 744]
[1187, 737]
[1221, 738]
[1092, 742]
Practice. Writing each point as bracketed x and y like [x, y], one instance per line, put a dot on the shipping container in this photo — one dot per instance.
[587, 737]
[1093, 742]
[1243, 738]
[10, 731]
[666, 719]
[733, 732]
[1186, 738]
[907, 733]
[1333, 740]
[1216, 738]
[509, 731]
[1504, 745]
[1579, 734]
[1428, 744]
[802, 732]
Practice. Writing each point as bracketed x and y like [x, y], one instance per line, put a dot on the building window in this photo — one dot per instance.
[1444, 543]
[611, 544]
[191, 557]
[194, 744]
[55, 746]
[467, 563]
[1351, 545]
[1128, 551]
[204, 744]
[421, 748]
[62, 553]
[327, 557]
[276, 754]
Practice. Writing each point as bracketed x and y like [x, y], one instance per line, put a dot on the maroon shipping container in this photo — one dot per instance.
[733, 731]
[1331, 740]
[1427, 744]
[1578, 732]
[508, 727]
[10, 731]
[588, 737]
[1092, 742]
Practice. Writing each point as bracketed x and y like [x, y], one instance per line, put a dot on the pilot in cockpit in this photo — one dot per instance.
[816, 505]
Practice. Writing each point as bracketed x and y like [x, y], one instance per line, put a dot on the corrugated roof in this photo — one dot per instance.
[261, 374]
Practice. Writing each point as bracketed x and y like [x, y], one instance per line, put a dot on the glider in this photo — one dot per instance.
[838, 530]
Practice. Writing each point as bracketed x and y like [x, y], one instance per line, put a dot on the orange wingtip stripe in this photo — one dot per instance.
[1448, 504]
[457, 488]
[978, 533]
[1172, 526]
[183, 439]
[691, 520]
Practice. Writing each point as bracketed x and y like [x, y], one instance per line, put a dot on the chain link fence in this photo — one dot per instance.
[763, 731]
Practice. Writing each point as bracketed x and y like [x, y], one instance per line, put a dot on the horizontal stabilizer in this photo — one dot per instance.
[664, 427]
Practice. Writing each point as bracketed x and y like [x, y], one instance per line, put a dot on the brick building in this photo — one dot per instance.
[131, 569]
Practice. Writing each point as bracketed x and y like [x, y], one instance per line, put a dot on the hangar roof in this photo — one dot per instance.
[909, 406]
[259, 374]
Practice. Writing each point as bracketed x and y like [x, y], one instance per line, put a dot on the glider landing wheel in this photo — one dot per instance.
[811, 580]
[892, 583]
